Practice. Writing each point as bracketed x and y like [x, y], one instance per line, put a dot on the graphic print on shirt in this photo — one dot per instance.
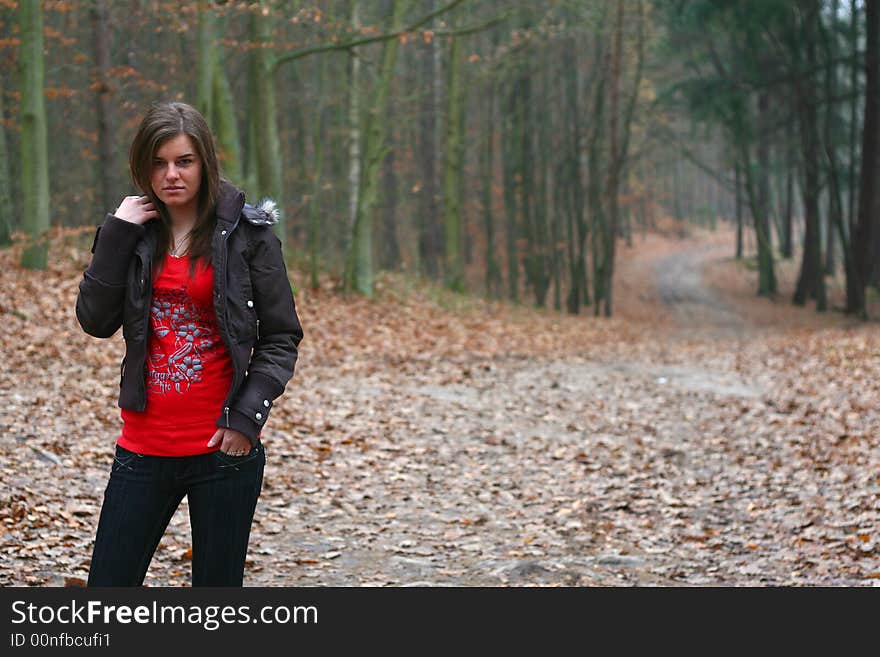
[183, 335]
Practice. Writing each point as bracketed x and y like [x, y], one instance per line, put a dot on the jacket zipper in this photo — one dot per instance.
[146, 285]
[258, 329]
[224, 333]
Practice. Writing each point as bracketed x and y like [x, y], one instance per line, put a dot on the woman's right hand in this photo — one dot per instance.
[136, 209]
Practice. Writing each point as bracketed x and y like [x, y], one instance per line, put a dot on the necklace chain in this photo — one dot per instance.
[176, 251]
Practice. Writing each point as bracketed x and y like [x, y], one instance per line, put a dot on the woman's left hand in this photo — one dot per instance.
[232, 442]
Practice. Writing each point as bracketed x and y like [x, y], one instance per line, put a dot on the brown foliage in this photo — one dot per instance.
[434, 438]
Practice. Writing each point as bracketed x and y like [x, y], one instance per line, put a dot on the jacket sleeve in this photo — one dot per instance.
[275, 350]
[102, 290]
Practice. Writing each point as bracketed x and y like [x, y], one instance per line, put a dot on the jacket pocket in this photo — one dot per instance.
[242, 319]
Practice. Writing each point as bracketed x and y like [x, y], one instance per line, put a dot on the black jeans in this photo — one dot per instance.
[142, 496]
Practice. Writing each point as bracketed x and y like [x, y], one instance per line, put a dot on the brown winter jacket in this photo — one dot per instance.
[253, 301]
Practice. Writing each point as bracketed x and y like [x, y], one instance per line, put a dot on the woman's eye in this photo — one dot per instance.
[186, 161]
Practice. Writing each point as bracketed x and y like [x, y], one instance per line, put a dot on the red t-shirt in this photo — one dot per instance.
[189, 371]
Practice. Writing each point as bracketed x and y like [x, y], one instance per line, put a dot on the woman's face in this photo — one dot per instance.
[176, 174]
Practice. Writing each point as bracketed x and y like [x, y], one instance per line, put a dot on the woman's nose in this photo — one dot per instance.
[171, 172]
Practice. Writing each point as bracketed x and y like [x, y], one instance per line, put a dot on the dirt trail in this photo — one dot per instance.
[693, 304]
[673, 459]
[652, 469]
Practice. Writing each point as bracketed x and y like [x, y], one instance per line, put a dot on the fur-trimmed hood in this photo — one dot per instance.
[231, 202]
[265, 213]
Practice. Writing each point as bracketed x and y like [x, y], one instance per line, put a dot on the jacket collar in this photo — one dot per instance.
[230, 202]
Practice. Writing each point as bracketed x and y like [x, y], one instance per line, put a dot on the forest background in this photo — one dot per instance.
[470, 180]
[501, 146]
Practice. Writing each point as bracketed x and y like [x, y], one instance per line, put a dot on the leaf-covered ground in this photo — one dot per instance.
[700, 436]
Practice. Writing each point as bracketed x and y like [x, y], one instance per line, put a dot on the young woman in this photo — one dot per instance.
[197, 281]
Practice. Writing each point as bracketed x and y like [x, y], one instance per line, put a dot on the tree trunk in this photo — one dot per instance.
[206, 65]
[787, 218]
[494, 282]
[533, 220]
[553, 166]
[225, 125]
[355, 136]
[598, 222]
[867, 228]
[6, 208]
[108, 170]
[811, 281]
[214, 96]
[429, 227]
[626, 228]
[737, 194]
[874, 258]
[34, 147]
[537, 184]
[766, 277]
[620, 138]
[574, 193]
[853, 119]
[359, 263]
[835, 209]
[609, 247]
[510, 158]
[389, 254]
[263, 118]
[764, 168]
[761, 208]
[453, 264]
[560, 213]
[318, 136]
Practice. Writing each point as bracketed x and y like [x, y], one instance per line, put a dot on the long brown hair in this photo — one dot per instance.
[164, 121]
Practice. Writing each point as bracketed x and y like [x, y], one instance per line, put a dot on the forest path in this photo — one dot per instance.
[418, 445]
[662, 464]
[694, 305]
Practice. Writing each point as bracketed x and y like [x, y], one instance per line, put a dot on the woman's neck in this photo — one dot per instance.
[181, 223]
